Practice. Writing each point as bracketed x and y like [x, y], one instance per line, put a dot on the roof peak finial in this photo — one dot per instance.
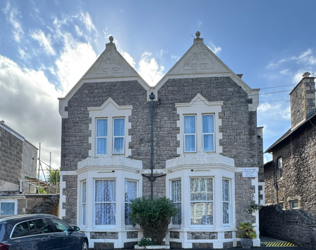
[111, 39]
[197, 34]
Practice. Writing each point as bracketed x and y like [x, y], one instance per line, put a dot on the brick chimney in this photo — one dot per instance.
[302, 99]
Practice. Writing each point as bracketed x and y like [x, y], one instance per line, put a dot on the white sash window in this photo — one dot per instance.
[101, 138]
[189, 134]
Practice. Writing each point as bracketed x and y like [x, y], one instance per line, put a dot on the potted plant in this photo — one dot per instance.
[248, 233]
[153, 215]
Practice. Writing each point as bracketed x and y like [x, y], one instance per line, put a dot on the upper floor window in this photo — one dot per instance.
[280, 168]
[189, 134]
[118, 135]
[208, 132]
[101, 138]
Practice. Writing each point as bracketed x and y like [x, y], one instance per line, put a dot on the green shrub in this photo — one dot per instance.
[153, 216]
[145, 242]
[248, 230]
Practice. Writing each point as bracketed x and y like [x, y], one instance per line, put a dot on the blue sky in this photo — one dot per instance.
[46, 46]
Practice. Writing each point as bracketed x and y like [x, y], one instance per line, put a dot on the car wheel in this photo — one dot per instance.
[84, 245]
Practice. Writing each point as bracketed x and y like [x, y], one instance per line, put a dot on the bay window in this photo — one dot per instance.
[101, 138]
[201, 199]
[176, 199]
[189, 134]
[105, 202]
[208, 132]
[131, 188]
[118, 135]
[226, 201]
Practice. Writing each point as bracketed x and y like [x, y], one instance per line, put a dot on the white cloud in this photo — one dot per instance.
[45, 42]
[128, 58]
[22, 53]
[79, 33]
[284, 71]
[74, 61]
[149, 69]
[215, 49]
[86, 19]
[175, 58]
[275, 111]
[29, 105]
[200, 23]
[12, 14]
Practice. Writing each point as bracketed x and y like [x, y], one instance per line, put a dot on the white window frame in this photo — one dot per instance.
[280, 169]
[128, 202]
[94, 202]
[101, 137]
[228, 202]
[177, 202]
[113, 151]
[10, 201]
[189, 134]
[209, 133]
[203, 201]
[83, 204]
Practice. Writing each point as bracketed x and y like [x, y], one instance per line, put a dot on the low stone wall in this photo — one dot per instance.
[296, 226]
[43, 205]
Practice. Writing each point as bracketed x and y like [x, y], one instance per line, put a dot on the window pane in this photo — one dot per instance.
[84, 197]
[201, 189]
[102, 127]
[201, 213]
[104, 190]
[105, 214]
[208, 124]
[43, 226]
[130, 190]
[190, 143]
[101, 144]
[225, 190]
[176, 191]
[225, 213]
[21, 230]
[61, 226]
[84, 214]
[118, 146]
[176, 220]
[118, 127]
[127, 211]
[208, 142]
[7, 208]
[189, 124]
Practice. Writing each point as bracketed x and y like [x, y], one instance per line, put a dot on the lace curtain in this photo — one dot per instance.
[130, 193]
[226, 199]
[176, 198]
[105, 206]
[189, 133]
[201, 190]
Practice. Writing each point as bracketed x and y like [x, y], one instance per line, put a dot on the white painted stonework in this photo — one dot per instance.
[198, 106]
[109, 110]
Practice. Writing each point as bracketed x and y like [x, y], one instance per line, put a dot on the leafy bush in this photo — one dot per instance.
[248, 230]
[145, 242]
[153, 216]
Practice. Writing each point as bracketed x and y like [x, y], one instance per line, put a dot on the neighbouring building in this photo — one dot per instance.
[197, 130]
[18, 159]
[290, 178]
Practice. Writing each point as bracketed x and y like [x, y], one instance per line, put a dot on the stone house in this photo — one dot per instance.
[193, 138]
[18, 159]
[290, 178]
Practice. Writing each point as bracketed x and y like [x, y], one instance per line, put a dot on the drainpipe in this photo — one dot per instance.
[21, 186]
[151, 177]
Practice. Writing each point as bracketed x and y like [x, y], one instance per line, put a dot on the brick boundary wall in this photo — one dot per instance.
[296, 226]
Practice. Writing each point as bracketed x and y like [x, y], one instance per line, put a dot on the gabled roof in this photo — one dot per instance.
[289, 133]
[110, 66]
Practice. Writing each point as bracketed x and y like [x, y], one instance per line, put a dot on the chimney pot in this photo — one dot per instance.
[306, 74]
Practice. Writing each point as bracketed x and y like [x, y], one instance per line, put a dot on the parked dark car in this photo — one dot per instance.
[39, 232]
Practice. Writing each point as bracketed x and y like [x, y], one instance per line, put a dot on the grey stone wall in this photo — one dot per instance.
[299, 169]
[270, 179]
[45, 205]
[29, 161]
[296, 226]
[11, 150]
[239, 127]
[71, 199]
[302, 100]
